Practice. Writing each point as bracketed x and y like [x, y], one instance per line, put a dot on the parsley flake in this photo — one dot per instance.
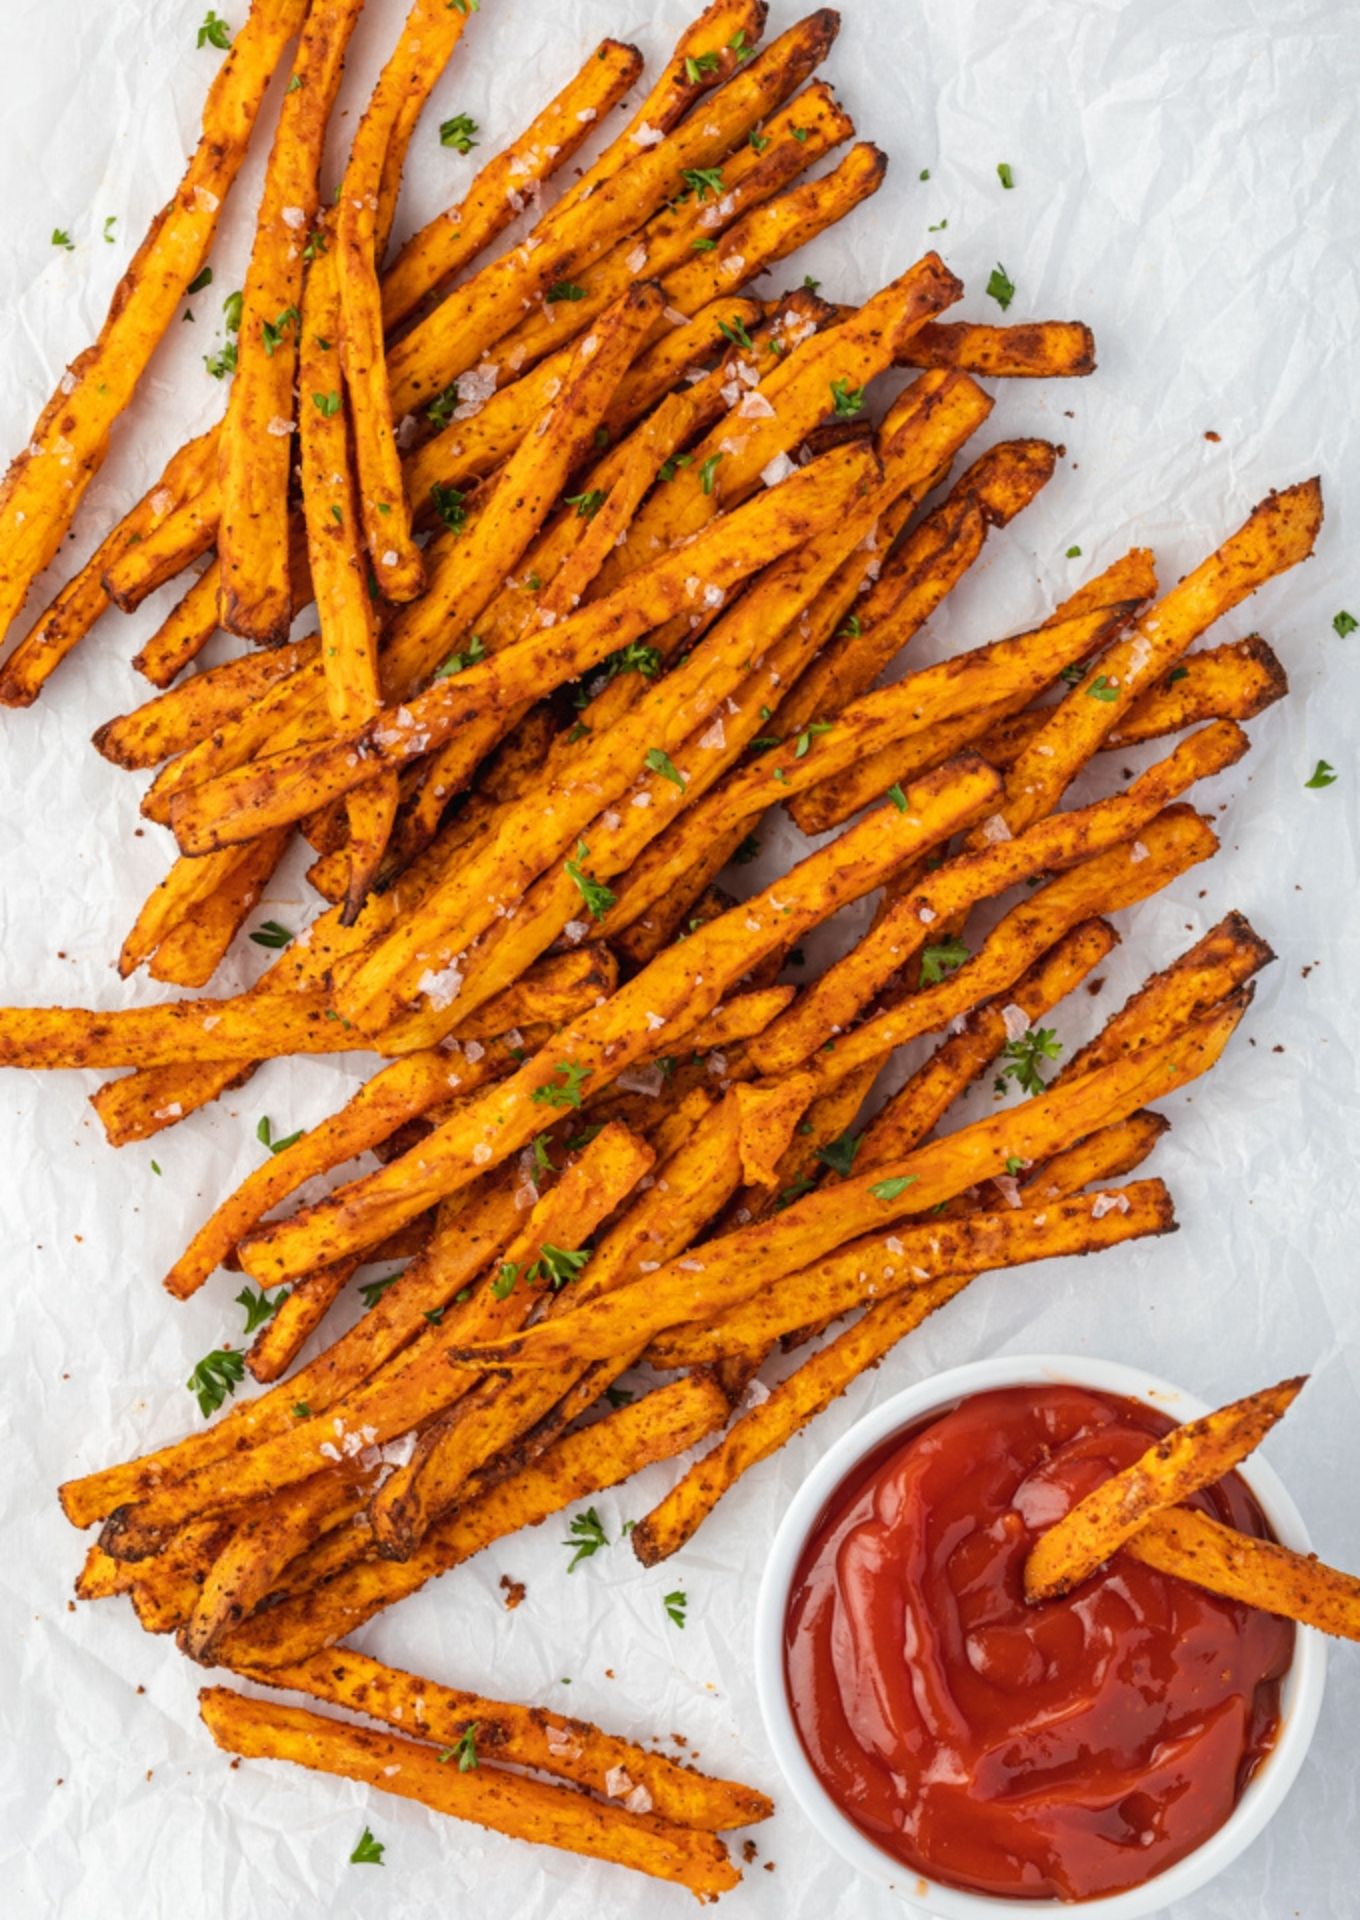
[449, 505]
[372, 1291]
[898, 798]
[597, 897]
[568, 1094]
[675, 1605]
[1004, 174]
[260, 1307]
[890, 1188]
[658, 761]
[702, 180]
[369, 1852]
[326, 404]
[847, 401]
[214, 32]
[270, 933]
[1023, 1056]
[217, 1374]
[1102, 688]
[61, 238]
[264, 1133]
[1323, 775]
[564, 290]
[1001, 287]
[1342, 624]
[587, 1536]
[936, 962]
[457, 133]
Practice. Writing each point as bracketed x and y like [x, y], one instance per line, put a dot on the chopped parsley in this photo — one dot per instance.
[847, 401]
[568, 1094]
[758, 140]
[587, 505]
[839, 1155]
[440, 410]
[702, 181]
[675, 1604]
[742, 47]
[936, 962]
[504, 1283]
[703, 246]
[587, 1536]
[707, 469]
[214, 32]
[474, 651]
[264, 1133]
[259, 1306]
[61, 238]
[270, 933]
[274, 330]
[200, 280]
[372, 1291]
[735, 331]
[1004, 174]
[1001, 287]
[698, 64]
[564, 290]
[369, 1852]
[810, 732]
[464, 1751]
[890, 1188]
[597, 897]
[457, 133]
[109, 224]
[1342, 624]
[658, 761]
[450, 505]
[557, 1265]
[216, 1375]
[1022, 1057]
[898, 798]
[326, 404]
[1323, 775]
[1073, 553]
[1102, 688]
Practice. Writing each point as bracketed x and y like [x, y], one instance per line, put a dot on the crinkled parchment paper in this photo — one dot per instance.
[1185, 181]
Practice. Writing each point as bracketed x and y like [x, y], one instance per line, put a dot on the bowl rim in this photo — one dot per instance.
[1300, 1693]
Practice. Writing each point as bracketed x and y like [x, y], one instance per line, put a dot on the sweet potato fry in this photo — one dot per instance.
[85, 598]
[42, 491]
[553, 1743]
[446, 244]
[656, 1426]
[165, 1590]
[175, 719]
[254, 445]
[190, 952]
[690, 979]
[428, 39]
[487, 1795]
[1256, 1573]
[1036, 350]
[1191, 1456]
[298, 1314]
[237, 806]
[861, 1272]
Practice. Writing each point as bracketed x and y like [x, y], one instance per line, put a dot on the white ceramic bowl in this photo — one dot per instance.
[1300, 1692]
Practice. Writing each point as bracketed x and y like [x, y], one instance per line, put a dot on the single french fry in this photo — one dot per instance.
[239, 805]
[487, 1795]
[430, 34]
[1033, 350]
[656, 1426]
[1191, 1456]
[870, 1268]
[82, 601]
[419, 1382]
[446, 244]
[297, 1316]
[462, 329]
[254, 445]
[599, 1045]
[460, 1248]
[1277, 534]
[43, 488]
[762, 1254]
[1256, 1573]
[552, 1743]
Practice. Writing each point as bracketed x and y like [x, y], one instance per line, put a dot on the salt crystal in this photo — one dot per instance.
[713, 596]
[389, 558]
[617, 1782]
[67, 384]
[441, 988]
[279, 427]
[474, 1050]
[576, 931]
[927, 916]
[641, 800]
[655, 1020]
[638, 1801]
[1138, 851]
[205, 201]
[714, 737]
[636, 260]
[1109, 1203]
[777, 469]
[1008, 1187]
[755, 407]
[647, 1081]
[481, 1153]
[293, 217]
[1015, 1020]
[475, 389]
[994, 828]
[586, 115]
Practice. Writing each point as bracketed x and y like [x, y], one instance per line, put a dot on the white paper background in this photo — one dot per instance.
[1185, 180]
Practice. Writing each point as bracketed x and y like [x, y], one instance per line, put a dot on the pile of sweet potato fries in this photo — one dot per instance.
[607, 560]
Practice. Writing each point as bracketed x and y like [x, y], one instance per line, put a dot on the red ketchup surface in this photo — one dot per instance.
[1064, 1750]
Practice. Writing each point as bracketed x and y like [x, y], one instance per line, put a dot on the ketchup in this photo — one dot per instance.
[1064, 1750]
